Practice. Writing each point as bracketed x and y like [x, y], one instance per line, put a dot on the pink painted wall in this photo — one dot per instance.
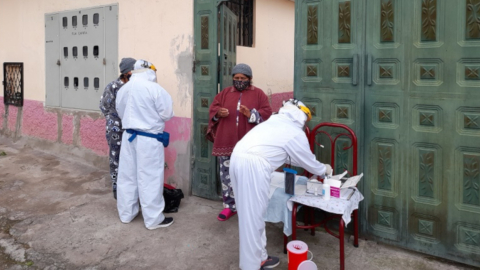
[180, 131]
[67, 129]
[40, 123]
[92, 135]
[179, 128]
[43, 124]
[12, 117]
[276, 100]
[2, 111]
[37, 122]
[170, 158]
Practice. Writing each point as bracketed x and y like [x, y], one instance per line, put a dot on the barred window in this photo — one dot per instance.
[244, 11]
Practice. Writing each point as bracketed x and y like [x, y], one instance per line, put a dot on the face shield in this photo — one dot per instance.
[292, 111]
[146, 69]
[299, 105]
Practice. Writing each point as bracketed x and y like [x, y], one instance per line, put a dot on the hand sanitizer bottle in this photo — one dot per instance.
[326, 191]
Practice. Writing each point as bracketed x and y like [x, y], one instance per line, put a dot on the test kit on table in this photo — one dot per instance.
[339, 186]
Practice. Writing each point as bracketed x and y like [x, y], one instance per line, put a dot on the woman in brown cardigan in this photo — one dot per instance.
[234, 112]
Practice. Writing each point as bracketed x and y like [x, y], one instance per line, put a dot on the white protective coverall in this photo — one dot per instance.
[143, 105]
[265, 148]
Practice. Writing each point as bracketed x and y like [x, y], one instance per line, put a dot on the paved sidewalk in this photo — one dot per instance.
[57, 212]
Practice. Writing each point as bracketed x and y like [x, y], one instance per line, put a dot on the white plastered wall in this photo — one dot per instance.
[271, 57]
[158, 31]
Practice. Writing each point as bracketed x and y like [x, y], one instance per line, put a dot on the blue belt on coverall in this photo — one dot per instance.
[161, 137]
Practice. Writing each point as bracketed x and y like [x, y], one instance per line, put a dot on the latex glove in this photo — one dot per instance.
[328, 170]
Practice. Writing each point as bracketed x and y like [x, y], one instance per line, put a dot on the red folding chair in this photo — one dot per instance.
[309, 211]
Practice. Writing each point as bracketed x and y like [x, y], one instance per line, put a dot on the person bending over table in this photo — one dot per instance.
[266, 147]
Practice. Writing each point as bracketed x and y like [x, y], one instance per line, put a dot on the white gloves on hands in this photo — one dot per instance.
[328, 170]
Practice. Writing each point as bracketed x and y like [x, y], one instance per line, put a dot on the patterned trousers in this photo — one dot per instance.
[114, 140]
[227, 191]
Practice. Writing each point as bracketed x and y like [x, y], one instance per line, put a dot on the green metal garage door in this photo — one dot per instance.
[405, 76]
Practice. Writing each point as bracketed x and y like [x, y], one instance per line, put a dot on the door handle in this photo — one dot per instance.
[355, 70]
[369, 69]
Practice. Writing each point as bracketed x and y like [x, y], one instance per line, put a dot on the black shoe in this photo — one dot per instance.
[165, 223]
[271, 262]
[115, 194]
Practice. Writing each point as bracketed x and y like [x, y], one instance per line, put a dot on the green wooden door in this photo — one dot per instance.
[215, 55]
[328, 64]
[228, 47]
[416, 109]
[386, 121]
[205, 88]
[443, 154]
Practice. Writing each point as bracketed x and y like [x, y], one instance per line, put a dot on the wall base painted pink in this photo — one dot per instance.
[85, 131]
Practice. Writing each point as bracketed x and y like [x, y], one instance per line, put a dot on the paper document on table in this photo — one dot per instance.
[338, 176]
[346, 193]
[352, 181]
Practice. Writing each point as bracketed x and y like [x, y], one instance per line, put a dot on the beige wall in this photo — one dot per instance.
[271, 57]
[158, 31]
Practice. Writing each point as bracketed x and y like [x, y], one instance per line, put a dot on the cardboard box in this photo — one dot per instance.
[314, 186]
[336, 183]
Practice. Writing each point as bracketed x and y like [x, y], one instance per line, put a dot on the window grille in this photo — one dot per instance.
[13, 84]
[244, 11]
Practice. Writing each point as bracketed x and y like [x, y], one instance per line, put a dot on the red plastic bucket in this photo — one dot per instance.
[297, 253]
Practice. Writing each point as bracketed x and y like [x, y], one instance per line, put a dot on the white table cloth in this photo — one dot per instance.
[280, 204]
[340, 206]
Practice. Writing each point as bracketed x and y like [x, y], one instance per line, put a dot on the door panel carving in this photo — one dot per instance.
[419, 93]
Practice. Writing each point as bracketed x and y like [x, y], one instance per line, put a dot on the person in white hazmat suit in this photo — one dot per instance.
[281, 139]
[144, 107]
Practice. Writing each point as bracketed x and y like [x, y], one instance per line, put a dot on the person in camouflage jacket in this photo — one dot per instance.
[113, 123]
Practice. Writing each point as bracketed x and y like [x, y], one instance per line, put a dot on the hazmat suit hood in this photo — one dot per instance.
[145, 70]
[293, 113]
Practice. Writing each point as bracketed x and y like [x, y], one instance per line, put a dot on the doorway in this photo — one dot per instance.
[215, 56]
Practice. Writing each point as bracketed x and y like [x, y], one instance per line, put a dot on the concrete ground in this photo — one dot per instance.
[57, 212]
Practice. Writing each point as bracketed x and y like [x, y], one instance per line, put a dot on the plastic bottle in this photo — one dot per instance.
[326, 191]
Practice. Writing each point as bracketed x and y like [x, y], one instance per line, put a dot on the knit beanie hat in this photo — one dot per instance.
[243, 69]
[126, 65]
